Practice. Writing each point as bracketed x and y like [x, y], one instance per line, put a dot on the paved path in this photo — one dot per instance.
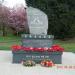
[7, 68]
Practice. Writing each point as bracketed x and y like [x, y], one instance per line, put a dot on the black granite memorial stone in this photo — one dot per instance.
[29, 40]
[38, 38]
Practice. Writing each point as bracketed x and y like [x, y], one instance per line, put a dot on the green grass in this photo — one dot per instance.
[7, 42]
[68, 45]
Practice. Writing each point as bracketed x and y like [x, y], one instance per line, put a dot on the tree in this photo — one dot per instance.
[18, 19]
[4, 13]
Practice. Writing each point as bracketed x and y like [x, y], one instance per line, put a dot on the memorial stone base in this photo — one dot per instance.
[20, 56]
[42, 41]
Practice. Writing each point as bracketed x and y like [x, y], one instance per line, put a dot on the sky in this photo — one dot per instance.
[11, 3]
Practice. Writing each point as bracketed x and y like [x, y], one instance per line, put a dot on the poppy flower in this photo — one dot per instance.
[57, 48]
[40, 49]
[47, 63]
[26, 48]
[45, 48]
[50, 49]
[16, 47]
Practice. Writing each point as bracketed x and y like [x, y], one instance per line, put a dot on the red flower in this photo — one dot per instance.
[61, 49]
[57, 48]
[38, 49]
[50, 49]
[53, 48]
[47, 63]
[35, 49]
[45, 48]
[26, 48]
[16, 47]
[31, 48]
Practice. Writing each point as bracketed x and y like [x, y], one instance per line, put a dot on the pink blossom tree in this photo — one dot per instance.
[4, 13]
[18, 19]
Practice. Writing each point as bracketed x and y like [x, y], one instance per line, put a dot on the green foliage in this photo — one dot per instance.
[61, 14]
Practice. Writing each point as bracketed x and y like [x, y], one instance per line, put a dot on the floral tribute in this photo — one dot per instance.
[39, 49]
[47, 63]
[44, 63]
[29, 63]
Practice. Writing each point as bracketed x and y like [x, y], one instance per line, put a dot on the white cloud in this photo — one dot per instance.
[12, 3]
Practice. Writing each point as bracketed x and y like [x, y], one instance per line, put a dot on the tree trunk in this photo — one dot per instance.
[3, 29]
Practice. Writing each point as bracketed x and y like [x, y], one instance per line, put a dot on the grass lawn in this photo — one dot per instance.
[7, 42]
[67, 45]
